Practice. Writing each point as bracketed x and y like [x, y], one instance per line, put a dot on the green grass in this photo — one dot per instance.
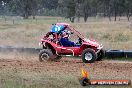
[120, 59]
[26, 79]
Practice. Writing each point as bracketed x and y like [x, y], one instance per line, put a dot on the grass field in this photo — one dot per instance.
[26, 79]
[27, 33]
[14, 31]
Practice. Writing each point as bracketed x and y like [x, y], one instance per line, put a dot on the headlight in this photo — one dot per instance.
[100, 47]
[40, 43]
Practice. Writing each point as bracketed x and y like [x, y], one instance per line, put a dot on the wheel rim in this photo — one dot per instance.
[88, 56]
[44, 56]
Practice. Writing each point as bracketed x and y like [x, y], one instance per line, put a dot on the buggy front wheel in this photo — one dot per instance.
[89, 56]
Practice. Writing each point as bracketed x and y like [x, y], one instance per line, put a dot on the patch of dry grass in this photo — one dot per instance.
[114, 35]
[26, 79]
[27, 33]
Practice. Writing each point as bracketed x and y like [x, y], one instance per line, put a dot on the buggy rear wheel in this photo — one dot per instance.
[45, 55]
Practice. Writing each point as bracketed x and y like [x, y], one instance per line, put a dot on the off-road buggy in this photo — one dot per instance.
[89, 50]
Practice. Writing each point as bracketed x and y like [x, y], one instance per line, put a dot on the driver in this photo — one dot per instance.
[65, 40]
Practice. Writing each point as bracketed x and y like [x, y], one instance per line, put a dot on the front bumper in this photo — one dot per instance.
[40, 43]
[99, 48]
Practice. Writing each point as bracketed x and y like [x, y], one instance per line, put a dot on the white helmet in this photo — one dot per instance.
[65, 34]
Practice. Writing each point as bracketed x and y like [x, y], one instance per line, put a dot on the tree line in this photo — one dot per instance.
[70, 9]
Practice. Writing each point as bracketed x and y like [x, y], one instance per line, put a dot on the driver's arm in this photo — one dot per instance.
[48, 34]
[70, 43]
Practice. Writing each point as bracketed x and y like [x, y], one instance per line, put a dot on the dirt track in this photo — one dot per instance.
[98, 70]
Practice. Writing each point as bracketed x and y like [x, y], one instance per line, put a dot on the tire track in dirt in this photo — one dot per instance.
[101, 69]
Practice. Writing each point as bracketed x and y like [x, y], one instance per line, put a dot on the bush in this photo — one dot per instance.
[106, 36]
[122, 38]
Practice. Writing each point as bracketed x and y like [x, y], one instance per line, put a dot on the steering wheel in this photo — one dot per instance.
[79, 41]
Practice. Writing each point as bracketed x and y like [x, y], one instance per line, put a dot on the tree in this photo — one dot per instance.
[70, 9]
[86, 9]
[116, 7]
[24, 8]
[4, 6]
[78, 9]
[49, 4]
[128, 8]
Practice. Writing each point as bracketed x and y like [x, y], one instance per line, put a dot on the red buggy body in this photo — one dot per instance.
[89, 50]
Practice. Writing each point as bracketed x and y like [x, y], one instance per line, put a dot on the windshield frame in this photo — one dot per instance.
[76, 32]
